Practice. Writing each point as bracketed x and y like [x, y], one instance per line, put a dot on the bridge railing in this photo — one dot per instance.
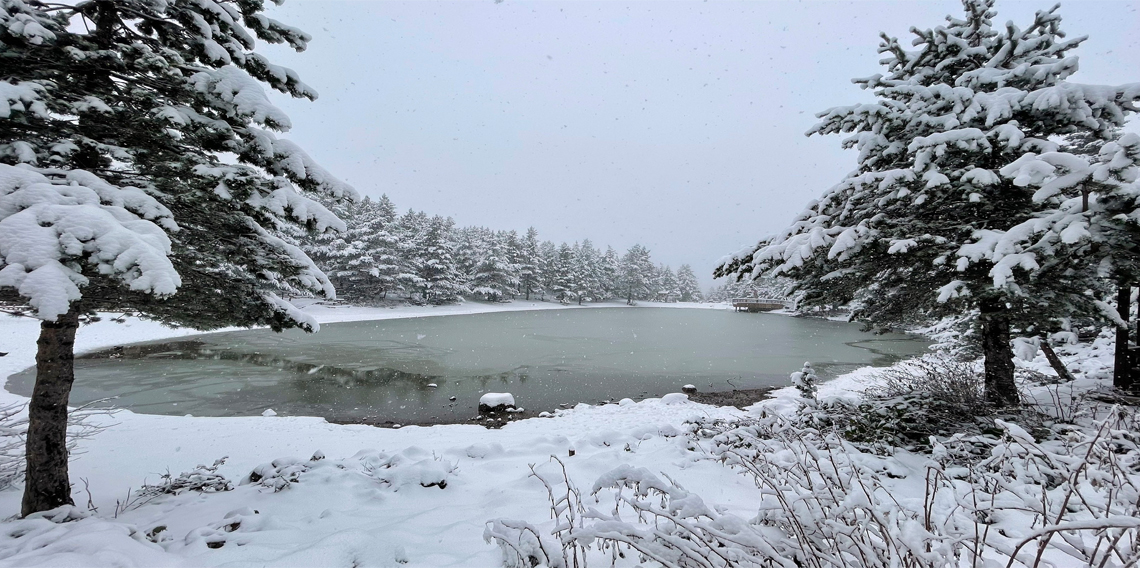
[759, 301]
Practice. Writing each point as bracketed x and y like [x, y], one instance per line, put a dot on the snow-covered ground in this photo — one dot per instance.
[335, 517]
[414, 496]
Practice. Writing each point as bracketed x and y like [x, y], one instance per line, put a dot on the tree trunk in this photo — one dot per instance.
[1055, 361]
[999, 385]
[1122, 374]
[46, 485]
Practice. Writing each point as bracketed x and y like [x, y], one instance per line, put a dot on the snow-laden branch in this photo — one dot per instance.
[54, 232]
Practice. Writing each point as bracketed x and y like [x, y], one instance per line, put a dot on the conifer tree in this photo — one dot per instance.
[494, 277]
[513, 253]
[564, 283]
[636, 272]
[115, 194]
[440, 281]
[411, 229]
[923, 227]
[384, 246]
[611, 274]
[667, 287]
[530, 274]
[688, 288]
[548, 266]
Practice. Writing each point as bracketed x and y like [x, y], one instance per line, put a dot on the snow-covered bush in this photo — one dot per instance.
[936, 395]
[219, 533]
[914, 400]
[203, 479]
[408, 468]
[14, 426]
[944, 378]
[278, 474]
[824, 502]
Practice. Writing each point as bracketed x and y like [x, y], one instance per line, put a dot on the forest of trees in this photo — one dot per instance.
[428, 259]
[747, 288]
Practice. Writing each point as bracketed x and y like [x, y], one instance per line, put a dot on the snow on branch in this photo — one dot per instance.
[50, 228]
[23, 96]
[284, 158]
[233, 89]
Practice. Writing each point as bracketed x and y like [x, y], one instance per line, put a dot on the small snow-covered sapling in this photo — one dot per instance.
[805, 381]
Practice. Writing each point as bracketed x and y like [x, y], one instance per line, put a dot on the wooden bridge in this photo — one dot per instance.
[758, 304]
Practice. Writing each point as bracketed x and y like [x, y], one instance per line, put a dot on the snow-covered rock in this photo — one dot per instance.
[496, 399]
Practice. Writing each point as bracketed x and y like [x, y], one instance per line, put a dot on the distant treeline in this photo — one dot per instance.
[747, 288]
[428, 259]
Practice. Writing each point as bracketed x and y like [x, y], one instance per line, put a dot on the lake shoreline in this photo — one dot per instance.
[737, 398]
[371, 372]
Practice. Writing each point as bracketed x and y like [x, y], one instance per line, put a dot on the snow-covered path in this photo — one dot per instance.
[338, 516]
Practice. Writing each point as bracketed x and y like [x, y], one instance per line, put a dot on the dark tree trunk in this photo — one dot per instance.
[46, 485]
[1055, 361]
[1122, 374]
[1000, 388]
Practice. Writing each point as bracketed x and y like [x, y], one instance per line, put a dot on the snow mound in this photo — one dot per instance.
[408, 468]
[278, 474]
[493, 399]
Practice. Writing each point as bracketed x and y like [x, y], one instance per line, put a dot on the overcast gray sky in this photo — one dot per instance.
[679, 125]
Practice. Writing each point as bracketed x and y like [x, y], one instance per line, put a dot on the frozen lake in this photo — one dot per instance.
[380, 371]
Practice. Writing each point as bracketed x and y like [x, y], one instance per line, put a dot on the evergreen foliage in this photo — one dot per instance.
[636, 273]
[141, 170]
[688, 288]
[957, 163]
[381, 252]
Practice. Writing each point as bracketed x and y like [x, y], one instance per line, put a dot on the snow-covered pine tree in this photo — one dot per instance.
[494, 277]
[513, 253]
[668, 289]
[565, 279]
[652, 283]
[548, 266]
[636, 271]
[805, 381]
[347, 256]
[611, 274]
[471, 244]
[329, 250]
[384, 245]
[586, 269]
[114, 194]
[917, 230]
[530, 273]
[687, 285]
[439, 280]
[411, 229]
[359, 278]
